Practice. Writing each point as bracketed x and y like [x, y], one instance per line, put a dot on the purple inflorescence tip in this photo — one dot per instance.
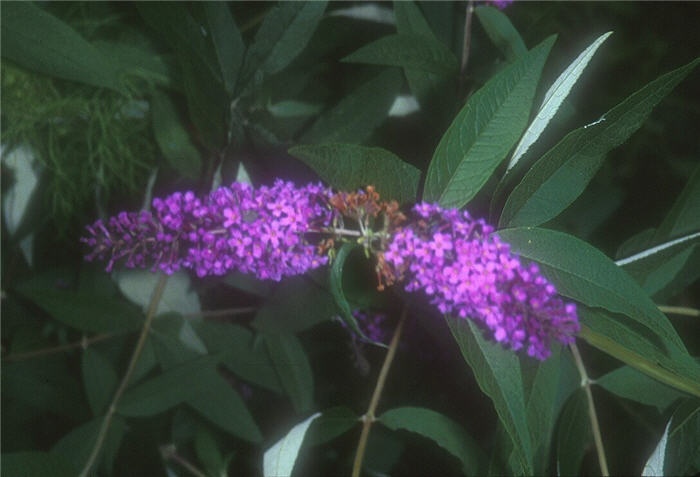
[467, 271]
[259, 231]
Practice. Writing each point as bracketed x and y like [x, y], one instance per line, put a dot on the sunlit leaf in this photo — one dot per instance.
[279, 459]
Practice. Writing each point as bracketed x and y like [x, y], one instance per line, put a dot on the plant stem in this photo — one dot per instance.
[83, 343]
[170, 454]
[466, 44]
[586, 384]
[369, 417]
[153, 306]
[679, 310]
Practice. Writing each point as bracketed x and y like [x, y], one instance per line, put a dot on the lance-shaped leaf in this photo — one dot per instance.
[501, 32]
[631, 384]
[279, 459]
[585, 274]
[227, 40]
[559, 177]
[442, 430]
[484, 131]
[498, 373]
[39, 41]
[684, 217]
[554, 98]
[683, 445]
[407, 51]
[350, 167]
[573, 435]
[293, 368]
[284, 33]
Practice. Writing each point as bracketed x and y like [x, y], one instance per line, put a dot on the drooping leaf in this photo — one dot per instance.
[442, 430]
[631, 384]
[208, 452]
[79, 442]
[407, 50]
[359, 113]
[554, 97]
[167, 390]
[336, 284]
[350, 167]
[498, 373]
[39, 41]
[284, 33]
[240, 353]
[177, 297]
[560, 176]
[293, 369]
[684, 216]
[138, 61]
[655, 464]
[683, 447]
[223, 406]
[279, 459]
[332, 423]
[172, 137]
[227, 40]
[484, 131]
[99, 379]
[174, 341]
[36, 463]
[616, 337]
[297, 304]
[583, 273]
[573, 435]
[501, 32]
[83, 311]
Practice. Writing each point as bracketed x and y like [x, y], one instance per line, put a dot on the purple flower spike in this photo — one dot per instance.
[259, 231]
[468, 272]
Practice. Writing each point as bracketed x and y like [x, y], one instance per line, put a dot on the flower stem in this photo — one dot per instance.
[369, 417]
[466, 44]
[83, 343]
[153, 306]
[679, 310]
[586, 384]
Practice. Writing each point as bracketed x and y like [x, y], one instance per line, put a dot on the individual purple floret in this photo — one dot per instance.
[468, 272]
[253, 230]
[372, 324]
[501, 4]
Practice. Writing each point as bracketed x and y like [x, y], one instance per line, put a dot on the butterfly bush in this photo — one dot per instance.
[261, 231]
[467, 271]
[457, 261]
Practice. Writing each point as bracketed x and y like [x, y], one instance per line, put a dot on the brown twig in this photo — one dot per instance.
[157, 294]
[83, 343]
[586, 385]
[466, 44]
[369, 417]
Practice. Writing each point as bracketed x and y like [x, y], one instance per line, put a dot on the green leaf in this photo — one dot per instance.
[39, 41]
[293, 109]
[683, 446]
[240, 353]
[554, 97]
[293, 369]
[167, 390]
[351, 167]
[620, 340]
[284, 33]
[279, 459]
[655, 464]
[501, 32]
[174, 341]
[137, 61]
[573, 435]
[498, 373]
[336, 284]
[223, 406]
[77, 445]
[431, 90]
[442, 430]
[35, 463]
[484, 131]
[83, 311]
[227, 40]
[297, 304]
[560, 176]
[100, 380]
[172, 137]
[359, 113]
[583, 273]
[332, 423]
[407, 50]
[684, 217]
[177, 297]
[631, 384]
[209, 454]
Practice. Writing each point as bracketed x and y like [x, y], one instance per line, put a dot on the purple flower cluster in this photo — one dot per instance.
[500, 4]
[372, 324]
[260, 231]
[468, 272]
